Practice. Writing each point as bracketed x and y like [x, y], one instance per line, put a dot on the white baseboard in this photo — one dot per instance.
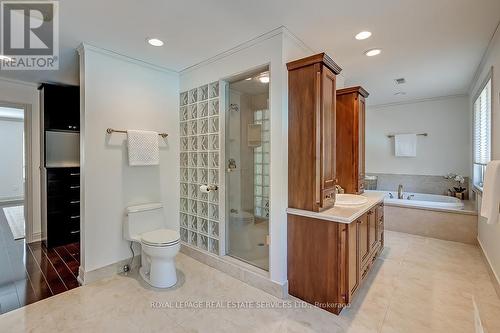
[493, 275]
[106, 271]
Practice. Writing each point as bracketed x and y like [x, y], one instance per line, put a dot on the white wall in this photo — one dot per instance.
[446, 148]
[17, 92]
[489, 234]
[275, 49]
[122, 93]
[11, 153]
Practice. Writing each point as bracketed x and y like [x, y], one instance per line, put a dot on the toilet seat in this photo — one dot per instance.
[160, 238]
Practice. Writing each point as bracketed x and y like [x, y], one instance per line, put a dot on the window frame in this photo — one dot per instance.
[487, 79]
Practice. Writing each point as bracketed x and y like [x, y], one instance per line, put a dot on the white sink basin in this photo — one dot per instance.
[350, 200]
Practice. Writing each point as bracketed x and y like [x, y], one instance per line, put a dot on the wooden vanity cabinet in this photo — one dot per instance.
[311, 132]
[350, 132]
[328, 261]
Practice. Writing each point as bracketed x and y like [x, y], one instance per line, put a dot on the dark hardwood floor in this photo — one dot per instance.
[31, 272]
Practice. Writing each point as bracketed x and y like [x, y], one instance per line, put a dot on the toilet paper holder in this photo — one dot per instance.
[208, 188]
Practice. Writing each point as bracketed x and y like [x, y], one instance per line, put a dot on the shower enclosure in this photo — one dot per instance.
[247, 148]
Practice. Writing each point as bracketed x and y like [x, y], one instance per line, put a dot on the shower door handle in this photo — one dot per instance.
[231, 166]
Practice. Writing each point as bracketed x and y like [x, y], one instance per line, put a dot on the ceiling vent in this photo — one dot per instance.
[400, 81]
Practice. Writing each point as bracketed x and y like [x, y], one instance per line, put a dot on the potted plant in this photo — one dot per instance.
[459, 191]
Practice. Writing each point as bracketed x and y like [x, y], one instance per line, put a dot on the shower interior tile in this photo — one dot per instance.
[183, 128]
[183, 205]
[213, 124]
[214, 246]
[213, 212]
[184, 175]
[203, 93]
[203, 225]
[193, 111]
[203, 160]
[214, 89]
[183, 113]
[193, 207]
[203, 109]
[203, 242]
[203, 176]
[203, 196]
[203, 142]
[214, 107]
[184, 235]
[193, 95]
[213, 176]
[202, 209]
[183, 98]
[213, 142]
[184, 190]
[193, 222]
[193, 238]
[214, 159]
[214, 229]
[193, 191]
[184, 220]
[184, 159]
[203, 126]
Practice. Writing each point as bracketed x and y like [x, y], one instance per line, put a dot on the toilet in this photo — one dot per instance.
[146, 224]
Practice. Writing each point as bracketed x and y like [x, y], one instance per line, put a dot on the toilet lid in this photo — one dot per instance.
[161, 237]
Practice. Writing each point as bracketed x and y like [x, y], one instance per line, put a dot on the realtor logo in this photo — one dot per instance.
[29, 35]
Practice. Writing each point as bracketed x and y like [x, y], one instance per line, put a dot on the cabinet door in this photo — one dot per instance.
[328, 99]
[380, 224]
[372, 229]
[361, 149]
[363, 240]
[353, 258]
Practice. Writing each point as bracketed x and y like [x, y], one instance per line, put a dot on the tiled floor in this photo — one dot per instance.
[29, 273]
[419, 285]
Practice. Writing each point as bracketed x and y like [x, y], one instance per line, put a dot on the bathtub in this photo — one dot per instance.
[430, 215]
[424, 200]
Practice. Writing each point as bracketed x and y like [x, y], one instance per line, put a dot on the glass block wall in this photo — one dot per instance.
[261, 166]
[199, 165]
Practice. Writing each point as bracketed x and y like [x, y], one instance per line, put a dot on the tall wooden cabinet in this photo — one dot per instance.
[350, 132]
[311, 132]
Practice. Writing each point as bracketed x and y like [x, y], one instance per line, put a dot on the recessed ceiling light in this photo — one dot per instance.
[155, 42]
[5, 58]
[264, 79]
[248, 79]
[363, 35]
[400, 93]
[373, 52]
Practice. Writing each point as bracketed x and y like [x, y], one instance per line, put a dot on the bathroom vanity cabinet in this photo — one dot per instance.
[311, 132]
[329, 261]
[350, 132]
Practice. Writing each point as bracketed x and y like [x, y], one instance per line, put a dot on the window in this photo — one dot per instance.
[482, 134]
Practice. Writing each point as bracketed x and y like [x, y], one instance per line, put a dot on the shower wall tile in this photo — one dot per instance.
[199, 165]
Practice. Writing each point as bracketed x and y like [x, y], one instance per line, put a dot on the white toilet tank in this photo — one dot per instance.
[143, 218]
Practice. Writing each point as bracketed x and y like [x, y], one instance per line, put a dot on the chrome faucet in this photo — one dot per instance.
[400, 192]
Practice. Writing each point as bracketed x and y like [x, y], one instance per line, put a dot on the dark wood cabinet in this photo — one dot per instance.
[328, 261]
[60, 181]
[350, 132]
[311, 132]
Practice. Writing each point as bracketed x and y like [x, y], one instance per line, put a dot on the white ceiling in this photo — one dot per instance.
[435, 44]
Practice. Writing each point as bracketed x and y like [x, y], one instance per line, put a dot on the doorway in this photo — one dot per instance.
[247, 144]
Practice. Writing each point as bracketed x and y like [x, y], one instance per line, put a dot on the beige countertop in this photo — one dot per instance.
[342, 214]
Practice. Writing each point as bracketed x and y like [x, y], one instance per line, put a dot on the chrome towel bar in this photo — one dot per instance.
[420, 134]
[110, 131]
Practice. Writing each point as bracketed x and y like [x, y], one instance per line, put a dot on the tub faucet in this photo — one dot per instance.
[400, 192]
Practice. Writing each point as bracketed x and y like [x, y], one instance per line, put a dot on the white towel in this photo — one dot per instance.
[143, 148]
[405, 145]
[490, 204]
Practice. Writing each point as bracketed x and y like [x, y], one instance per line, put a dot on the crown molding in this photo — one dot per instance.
[84, 47]
[417, 100]
[282, 30]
